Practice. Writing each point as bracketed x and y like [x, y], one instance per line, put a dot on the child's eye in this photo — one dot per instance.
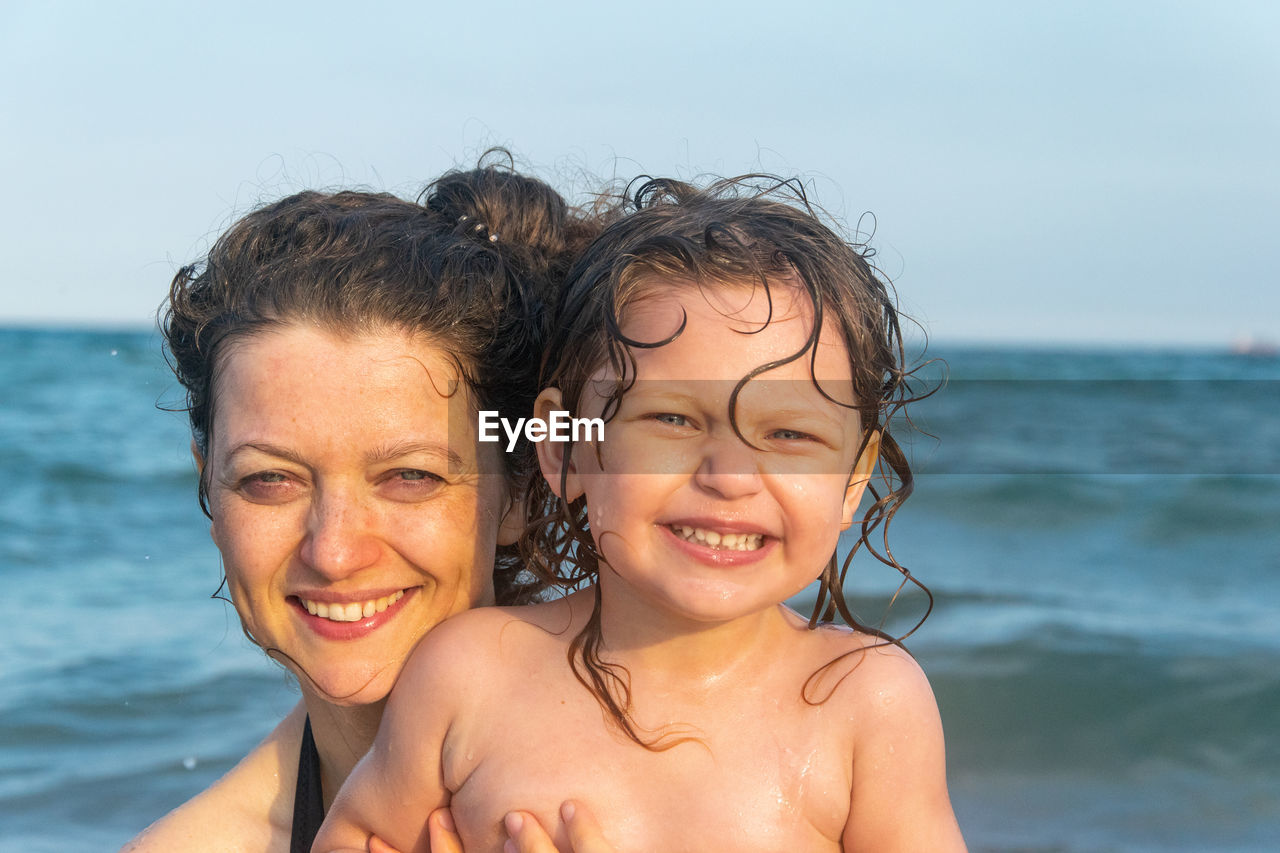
[671, 418]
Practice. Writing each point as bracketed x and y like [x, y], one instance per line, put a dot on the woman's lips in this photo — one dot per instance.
[347, 620]
[352, 611]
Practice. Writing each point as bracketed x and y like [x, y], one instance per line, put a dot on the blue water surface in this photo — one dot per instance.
[1101, 532]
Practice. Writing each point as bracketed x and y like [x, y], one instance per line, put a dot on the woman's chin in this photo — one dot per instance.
[345, 694]
[346, 686]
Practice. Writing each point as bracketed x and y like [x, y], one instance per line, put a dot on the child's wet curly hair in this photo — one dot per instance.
[753, 229]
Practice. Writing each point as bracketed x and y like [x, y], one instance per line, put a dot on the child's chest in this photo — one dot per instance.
[769, 773]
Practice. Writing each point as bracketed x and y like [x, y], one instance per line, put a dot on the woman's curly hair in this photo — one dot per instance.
[471, 266]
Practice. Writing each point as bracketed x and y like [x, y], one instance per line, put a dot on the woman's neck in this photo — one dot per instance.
[343, 734]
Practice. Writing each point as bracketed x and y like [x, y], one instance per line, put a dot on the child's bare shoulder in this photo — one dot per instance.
[479, 643]
[867, 674]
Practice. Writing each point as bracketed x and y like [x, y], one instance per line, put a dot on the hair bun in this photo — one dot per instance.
[523, 218]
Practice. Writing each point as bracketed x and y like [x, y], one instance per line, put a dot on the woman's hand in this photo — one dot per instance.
[525, 834]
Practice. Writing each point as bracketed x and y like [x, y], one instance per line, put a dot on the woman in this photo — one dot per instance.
[335, 350]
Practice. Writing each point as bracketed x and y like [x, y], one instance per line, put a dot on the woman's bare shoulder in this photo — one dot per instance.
[250, 808]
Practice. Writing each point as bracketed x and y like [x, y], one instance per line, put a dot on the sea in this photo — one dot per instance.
[1099, 529]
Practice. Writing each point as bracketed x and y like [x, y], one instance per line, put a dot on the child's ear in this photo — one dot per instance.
[551, 454]
[862, 471]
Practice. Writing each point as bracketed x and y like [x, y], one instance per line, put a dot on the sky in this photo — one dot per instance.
[1057, 173]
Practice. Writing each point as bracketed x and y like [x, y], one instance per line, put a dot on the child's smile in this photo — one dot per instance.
[718, 541]
[692, 518]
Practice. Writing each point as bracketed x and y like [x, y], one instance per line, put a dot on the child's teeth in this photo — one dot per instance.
[353, 611]
[721, 541]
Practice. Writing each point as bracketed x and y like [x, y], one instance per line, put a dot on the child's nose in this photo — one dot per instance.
[728, 468]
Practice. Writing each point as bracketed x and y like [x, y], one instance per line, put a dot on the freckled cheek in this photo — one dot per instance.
[453, 550]
[254, 555]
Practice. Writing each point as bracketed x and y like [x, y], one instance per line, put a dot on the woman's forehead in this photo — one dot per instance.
[297, 377]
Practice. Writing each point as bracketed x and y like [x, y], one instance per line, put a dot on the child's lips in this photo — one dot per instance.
[724, 540]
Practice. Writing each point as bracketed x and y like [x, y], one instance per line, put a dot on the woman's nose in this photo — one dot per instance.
[339, 540]
[728, 468]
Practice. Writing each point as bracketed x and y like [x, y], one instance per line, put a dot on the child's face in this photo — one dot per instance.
[688, 516]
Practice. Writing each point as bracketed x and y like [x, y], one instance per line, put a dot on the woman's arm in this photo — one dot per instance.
[250, 808]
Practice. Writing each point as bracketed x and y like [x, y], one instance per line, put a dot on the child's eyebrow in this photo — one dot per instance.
[803, 415]
[665, 389]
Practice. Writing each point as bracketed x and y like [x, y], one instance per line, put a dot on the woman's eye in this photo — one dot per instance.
[671, 418]
[266, 485]
[415, 475]
[411, 484]
[790, 435]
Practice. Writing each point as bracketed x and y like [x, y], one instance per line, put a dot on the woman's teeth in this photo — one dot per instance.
[721, 541]
[352, 612]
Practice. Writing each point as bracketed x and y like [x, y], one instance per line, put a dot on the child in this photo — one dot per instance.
[745, 361]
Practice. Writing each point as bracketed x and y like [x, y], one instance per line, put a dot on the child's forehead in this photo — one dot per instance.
[736, 325]
[743, 305]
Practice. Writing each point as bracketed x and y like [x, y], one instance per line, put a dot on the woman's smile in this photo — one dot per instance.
[353, 620]
[352, 611]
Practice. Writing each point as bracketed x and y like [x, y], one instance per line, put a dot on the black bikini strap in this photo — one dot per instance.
[308, 800]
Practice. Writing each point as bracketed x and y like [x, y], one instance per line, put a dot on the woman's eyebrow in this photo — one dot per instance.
[386, 452]
[397, 449]
[269, 449]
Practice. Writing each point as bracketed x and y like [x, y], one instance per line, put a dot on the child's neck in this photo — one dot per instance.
[662, 644]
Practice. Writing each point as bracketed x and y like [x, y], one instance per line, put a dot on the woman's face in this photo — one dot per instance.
[352, 505]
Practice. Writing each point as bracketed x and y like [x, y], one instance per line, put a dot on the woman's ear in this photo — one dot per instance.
[512, 523]
[862, 471]
[200, 460]
[553, 456]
